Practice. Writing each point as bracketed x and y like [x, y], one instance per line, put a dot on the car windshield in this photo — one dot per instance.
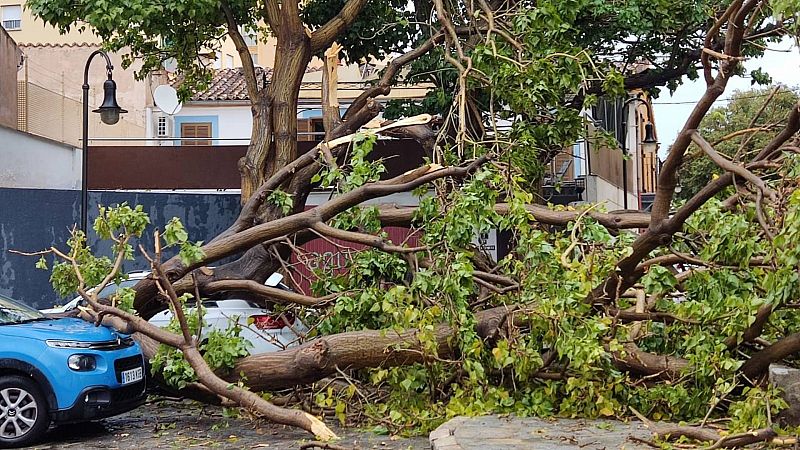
[12, 312]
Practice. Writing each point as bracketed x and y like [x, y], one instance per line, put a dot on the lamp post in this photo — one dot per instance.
[649, 144]
[109, 114]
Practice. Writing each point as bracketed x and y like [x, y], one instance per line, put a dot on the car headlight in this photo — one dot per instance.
[82, 363]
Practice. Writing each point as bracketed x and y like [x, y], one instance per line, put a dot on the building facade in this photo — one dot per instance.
[10, 61]
[619, 172]
[221, 114]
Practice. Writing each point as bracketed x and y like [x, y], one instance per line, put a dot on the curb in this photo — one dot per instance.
[443, 438]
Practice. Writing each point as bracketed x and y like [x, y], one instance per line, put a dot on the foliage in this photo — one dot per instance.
[557, 268]
[221, 348]
[367, 37]
[561, 58]
[175, 234]
[724, 121]
[115, 224]
[754, 411]
[516, 92]
[282, 200]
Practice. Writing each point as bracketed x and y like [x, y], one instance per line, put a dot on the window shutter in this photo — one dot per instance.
[303, 129]
[196, 130]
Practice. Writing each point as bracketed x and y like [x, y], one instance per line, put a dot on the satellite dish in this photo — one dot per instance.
[166, 98]
[170, 64]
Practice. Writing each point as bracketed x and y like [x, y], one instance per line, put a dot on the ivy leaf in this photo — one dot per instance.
[174, 232]
[191, 253]
[659, 280]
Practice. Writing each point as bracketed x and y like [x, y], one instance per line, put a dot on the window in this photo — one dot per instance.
[255, 58]
[161, 127]
[196, 130]
[608, 114]
[11, 16]
[318, 128]
[229, 61]
[310, 129]
[249, 35]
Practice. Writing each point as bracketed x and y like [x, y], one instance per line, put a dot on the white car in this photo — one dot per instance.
[266, 331]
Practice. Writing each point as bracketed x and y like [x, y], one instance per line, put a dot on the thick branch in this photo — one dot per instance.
[729, 166]
[396, 215]
[631, 359]
[363, 238]
[758, 364]
[634, 316]
[278, 295]
[244, 53]
[354, 350]
[384, 85]
[323, 36]
[272, 14]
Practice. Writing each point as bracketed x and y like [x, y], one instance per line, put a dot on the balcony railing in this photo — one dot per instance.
[12, 24]
[563, 192]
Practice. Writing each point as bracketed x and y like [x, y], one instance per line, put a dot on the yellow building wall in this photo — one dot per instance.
[35, 31]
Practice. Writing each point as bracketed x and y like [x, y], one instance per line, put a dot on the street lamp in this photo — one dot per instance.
[109, 114]
[649, 144]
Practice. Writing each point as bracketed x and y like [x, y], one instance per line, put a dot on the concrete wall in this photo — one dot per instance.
[598, 190]
[9, 61]
[35, 219]
[28, 161]
[32, 220]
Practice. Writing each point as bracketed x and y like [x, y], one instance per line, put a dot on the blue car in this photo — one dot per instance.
[61, 371]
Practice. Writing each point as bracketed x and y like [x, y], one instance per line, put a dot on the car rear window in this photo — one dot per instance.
[112, 288]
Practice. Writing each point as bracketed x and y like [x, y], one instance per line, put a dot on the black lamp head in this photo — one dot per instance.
[649, 143]
[110, 109]
[649, 137]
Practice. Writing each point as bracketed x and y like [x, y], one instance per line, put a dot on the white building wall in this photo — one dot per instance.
[33, 162]
[231, 125]
[601, 191]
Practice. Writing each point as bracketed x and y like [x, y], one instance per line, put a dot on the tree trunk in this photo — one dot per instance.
[320, 358]
[273, 141]
[251, 166]
[291, 59]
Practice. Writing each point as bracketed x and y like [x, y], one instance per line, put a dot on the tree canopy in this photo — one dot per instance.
[584, 317]
[741, 127]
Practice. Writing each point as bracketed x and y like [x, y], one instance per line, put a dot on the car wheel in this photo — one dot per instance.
[23, 412]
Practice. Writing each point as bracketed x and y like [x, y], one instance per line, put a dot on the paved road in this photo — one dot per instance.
[186, 425]
[514, 433]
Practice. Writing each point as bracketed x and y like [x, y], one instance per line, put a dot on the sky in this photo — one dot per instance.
[782, 63]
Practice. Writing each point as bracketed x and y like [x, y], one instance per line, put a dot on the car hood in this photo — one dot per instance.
[71, 329]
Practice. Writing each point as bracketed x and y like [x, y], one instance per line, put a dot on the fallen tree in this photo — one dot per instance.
[581, 318]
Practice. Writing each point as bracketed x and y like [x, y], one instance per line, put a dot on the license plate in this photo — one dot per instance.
[132, 376]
